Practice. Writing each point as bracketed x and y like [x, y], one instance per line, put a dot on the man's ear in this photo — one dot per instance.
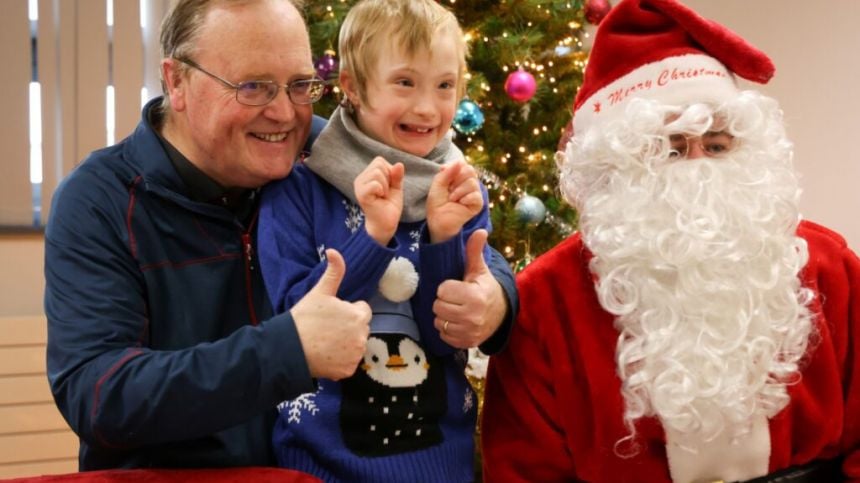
[174, 82]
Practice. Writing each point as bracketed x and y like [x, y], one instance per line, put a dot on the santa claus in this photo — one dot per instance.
[694, 329]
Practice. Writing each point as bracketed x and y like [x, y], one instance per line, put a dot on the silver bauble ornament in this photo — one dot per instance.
[530, 209]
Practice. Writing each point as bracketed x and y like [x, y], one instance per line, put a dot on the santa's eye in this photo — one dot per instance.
[713, 144]
[717, 143]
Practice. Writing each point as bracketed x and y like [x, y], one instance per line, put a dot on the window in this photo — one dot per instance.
[78, 72]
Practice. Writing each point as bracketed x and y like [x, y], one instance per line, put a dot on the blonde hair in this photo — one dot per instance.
[413, 24]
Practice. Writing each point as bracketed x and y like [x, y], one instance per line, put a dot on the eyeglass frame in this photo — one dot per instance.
[237, 87]
[699, 141]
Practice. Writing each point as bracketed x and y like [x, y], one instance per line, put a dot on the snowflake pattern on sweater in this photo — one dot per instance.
[415, 235]
[295, 408]
[355, 217]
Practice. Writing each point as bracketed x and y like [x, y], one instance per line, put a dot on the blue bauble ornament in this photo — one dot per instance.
[530, 209]
[468, 117]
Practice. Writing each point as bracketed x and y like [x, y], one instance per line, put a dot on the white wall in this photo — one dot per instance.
[21, 281]
[814, 46]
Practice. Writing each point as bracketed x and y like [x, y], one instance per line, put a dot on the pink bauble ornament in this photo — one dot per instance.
[595, 10]
[520, 85]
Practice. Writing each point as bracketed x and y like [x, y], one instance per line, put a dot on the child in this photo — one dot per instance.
[387, 188]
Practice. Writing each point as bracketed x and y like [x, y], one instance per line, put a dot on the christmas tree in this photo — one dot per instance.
[525, 65]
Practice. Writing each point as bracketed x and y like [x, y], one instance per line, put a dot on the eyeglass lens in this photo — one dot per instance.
[713, 144]
[257, 93]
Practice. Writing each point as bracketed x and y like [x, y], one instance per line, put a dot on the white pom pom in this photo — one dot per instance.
[477, 365]
[399, 281]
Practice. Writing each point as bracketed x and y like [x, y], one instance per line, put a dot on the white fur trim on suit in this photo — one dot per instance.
[721, 459]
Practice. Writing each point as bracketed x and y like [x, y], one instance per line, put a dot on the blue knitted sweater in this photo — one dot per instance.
[415, 423]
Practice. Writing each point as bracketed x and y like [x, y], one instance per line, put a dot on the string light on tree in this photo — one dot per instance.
[523, 262]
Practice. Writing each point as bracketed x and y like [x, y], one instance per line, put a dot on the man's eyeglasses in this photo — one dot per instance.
[712, 144]
[261, 92]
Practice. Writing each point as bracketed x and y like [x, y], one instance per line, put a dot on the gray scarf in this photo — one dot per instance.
[342, 151]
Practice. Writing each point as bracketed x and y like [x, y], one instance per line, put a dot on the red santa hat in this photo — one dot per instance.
[662, 50]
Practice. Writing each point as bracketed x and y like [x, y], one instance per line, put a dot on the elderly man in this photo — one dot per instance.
[694, 329]
[162, 347]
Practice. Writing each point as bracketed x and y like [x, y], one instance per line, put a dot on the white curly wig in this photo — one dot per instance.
[697, 259]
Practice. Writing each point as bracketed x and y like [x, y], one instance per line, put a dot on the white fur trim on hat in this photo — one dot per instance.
[673, 80]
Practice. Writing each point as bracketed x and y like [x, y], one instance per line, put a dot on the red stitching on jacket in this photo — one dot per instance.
[247, 247]
[206, 235]
[97, 390]
[144, 333]
[171, 264]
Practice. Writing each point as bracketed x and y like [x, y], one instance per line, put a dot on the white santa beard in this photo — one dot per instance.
[699, 262]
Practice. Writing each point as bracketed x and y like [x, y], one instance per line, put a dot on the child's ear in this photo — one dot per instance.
[349, 87]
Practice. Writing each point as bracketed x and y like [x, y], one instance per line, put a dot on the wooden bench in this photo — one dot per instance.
[34, 437]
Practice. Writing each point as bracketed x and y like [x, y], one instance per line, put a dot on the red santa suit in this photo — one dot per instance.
[554, 409]
[553, 405]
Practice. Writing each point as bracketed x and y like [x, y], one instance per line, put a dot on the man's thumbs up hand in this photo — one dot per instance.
[333, 275]
[333, 332]
[475, 264]
[468, 312]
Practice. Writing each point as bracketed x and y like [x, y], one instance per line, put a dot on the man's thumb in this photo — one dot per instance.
[331, 278]
[475, 264]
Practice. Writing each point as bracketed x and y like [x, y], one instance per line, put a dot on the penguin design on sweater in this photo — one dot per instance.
[394, 401]
[397, 396]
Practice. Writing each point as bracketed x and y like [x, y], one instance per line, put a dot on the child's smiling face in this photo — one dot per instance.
[411, 100]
